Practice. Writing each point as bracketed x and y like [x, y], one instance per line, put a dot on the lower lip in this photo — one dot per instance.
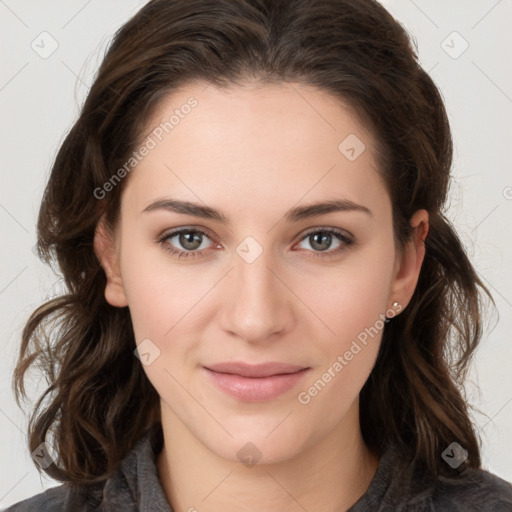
[256, 389]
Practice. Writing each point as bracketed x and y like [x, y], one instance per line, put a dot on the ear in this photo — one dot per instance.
[105, 250]
[409, 266]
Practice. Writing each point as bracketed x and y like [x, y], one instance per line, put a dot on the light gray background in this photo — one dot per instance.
[39, 100]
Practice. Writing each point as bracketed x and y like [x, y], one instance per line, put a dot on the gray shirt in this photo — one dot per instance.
[135, 486]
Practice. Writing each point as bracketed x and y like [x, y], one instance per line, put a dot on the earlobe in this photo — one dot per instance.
[409, 267]
[105, 250]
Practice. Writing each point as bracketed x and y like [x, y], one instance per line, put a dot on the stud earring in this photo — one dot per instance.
[390, 313]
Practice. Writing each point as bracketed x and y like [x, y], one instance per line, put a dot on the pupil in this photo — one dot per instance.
[325, 237]
[187, 240]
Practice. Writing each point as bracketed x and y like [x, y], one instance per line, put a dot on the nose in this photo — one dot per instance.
[257, 304]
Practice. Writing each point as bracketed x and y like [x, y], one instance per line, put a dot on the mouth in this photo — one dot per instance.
[255, 370]
[255, 383]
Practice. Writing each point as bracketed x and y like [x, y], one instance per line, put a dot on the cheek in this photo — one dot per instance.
[162, 297]
[350, 299]
[164, 304]
[352, 304]
[345, 359]
[169, 306]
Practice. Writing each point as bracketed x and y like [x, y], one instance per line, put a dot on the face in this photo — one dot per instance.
[251, 273]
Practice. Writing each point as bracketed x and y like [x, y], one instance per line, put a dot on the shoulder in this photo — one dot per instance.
[399, 485]
[473, 490]
[61, 498]
[134, 485]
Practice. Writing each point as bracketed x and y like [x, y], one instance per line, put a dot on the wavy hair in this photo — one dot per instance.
[98, 401]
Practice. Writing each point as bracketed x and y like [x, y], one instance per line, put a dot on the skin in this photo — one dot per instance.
[255, 152]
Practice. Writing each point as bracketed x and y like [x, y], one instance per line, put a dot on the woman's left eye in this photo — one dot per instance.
[321, 238]
[191, 240]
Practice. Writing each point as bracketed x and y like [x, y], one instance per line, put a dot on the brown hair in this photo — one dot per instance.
[99, 401]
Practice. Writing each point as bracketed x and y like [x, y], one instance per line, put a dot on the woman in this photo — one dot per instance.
[263, 289]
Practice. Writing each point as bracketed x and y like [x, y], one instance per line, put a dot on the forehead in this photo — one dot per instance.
[256, 145]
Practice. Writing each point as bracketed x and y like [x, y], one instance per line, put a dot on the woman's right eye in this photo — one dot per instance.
[189, 239]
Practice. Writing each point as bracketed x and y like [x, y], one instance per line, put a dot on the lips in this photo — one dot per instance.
[255, 370]
[255, 383]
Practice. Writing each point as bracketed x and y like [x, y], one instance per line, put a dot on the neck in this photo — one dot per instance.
[331, 475]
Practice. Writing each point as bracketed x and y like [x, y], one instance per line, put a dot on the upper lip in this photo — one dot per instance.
[254, 370]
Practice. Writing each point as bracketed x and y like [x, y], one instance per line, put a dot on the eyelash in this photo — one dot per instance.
[341, 236]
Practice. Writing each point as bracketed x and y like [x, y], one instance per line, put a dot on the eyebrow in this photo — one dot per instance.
[293, 215]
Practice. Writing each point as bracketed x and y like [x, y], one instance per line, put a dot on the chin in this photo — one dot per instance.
[251, 446]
